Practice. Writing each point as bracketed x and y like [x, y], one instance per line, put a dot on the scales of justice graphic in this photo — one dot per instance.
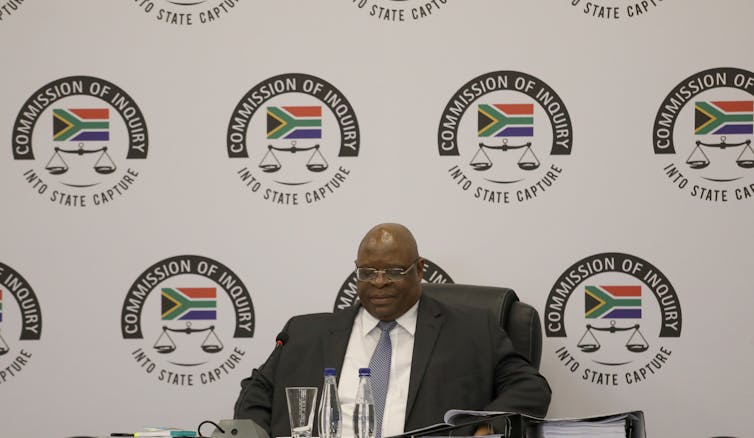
[4, 348]
[58, 166]
[188, 304]
[723, 118]
[165, 343]
[481, 160]
[294, 123]
[505, 120]
[636, 343]
[699, 160]
[82, 125]
[271, 164]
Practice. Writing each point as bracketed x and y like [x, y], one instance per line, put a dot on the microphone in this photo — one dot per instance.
[281, 339]
[239, 428]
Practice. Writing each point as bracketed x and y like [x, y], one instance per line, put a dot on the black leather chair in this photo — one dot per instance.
[518, 319]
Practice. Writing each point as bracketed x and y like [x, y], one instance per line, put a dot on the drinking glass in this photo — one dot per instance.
[301, 402]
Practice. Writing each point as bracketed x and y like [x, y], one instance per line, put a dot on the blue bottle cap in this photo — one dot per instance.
[365, 372]
[329, 371]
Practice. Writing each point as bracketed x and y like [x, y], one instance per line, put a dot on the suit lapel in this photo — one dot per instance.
[428, 323]
[334, 346]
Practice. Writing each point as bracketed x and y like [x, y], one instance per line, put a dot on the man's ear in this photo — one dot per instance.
[420, 268]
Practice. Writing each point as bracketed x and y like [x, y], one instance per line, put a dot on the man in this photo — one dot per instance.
[441, 357]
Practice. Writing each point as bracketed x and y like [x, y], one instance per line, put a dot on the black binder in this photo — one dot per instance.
[513, 427]
[520, 426]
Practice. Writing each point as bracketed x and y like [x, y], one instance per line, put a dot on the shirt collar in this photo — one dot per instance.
[407, 320]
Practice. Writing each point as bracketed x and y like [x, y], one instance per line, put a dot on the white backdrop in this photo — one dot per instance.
[83, 372]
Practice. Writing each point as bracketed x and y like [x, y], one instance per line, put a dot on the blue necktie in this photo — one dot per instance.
[380, 366]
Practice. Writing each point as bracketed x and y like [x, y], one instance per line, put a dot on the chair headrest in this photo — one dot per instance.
[498, 299]
[519, 319]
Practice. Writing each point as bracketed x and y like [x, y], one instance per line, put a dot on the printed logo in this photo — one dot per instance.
[185, 318]
[295, 133]
[622, 334]
[9, 8]
[506, 133]
[186, 12]
[400, 10]
[82, 137]
[348, 294]
[20, 322]
[704, 126]
[616, 9]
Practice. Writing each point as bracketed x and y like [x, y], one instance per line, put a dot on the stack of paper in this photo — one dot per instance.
[606, 427]
[158, 432]
[618, 425]
[458, 416]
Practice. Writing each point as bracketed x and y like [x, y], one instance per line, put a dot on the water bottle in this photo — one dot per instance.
[330, 415]
[363, 411]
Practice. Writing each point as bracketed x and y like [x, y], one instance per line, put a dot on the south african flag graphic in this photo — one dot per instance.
[612, 302]
[294, 122]
[724, 117]
[189, 303]
[505, 120]
[81, 124]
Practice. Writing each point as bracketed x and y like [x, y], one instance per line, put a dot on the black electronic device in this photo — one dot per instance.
[238, 429]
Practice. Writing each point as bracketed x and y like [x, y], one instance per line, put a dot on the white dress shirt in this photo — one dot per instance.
[361, 346]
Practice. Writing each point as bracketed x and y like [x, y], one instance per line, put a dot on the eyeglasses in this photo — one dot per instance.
[390, 274]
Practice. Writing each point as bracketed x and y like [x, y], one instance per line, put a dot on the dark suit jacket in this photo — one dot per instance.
[462, 360]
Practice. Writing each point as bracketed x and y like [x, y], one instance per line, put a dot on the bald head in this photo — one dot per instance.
[388, 246]
[389, 234]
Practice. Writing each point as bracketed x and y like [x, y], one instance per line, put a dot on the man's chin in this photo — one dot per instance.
[382, 311]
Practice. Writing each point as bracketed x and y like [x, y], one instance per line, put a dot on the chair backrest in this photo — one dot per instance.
[518, 319]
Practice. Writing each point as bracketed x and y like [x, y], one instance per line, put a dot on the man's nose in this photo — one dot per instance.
[380, 279]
